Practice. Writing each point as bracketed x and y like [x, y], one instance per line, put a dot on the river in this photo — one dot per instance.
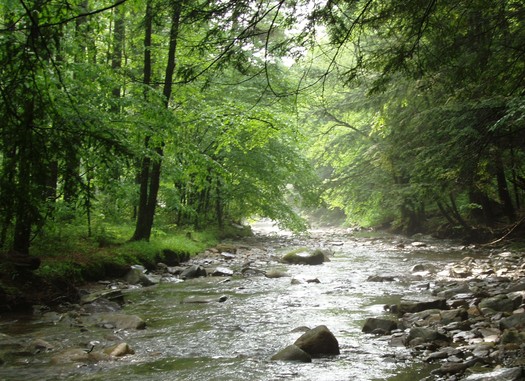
[235, 339]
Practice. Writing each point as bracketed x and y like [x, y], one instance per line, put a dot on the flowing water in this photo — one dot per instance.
[235, 339]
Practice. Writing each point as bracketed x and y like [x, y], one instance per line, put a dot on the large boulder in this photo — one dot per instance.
[119, 350]
[317, 257]
[318, 341]
[379, 326]
[174, 258]
[419, 335]
[411, 305]
[136, 275]
[292, 353]
[499, 303]
[194, 271]
[513, 321]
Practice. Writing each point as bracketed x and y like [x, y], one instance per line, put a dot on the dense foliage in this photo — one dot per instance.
[427, 118]
[127, 110]
[197, 113]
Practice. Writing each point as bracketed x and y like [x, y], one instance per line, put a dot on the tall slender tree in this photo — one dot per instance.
[152, 163]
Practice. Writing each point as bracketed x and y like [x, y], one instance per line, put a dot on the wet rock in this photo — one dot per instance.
[454, 368]
[252, 271]
[137, 276]
[512, 336]
[317, 257]
[194, 271]
[418, 335]
[379, 326]
[460, 272]
[119, 321]
[292, 353]
[422, 318]
[434, 356]
[499, 303]
[483, 350]
[418, 268]
[119, 350]
[73, 355]
[453, 290]
[411, 305]
[102, 305]
[514, 321]
[442, 354]
[397, 340]
[274, 273]
[450, 316]
[504, 374]
[489, 334]
[518, 286]
[174, 258]
[112, 295]
[318, 341]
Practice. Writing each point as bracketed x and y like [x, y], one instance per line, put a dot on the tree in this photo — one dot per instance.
[445, 78]
[45, 130]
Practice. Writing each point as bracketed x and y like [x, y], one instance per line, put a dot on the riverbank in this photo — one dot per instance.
[62, 262]
[468, 320]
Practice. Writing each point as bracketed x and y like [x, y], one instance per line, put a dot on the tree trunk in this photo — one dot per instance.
[219, 205]
[24, 202]
[151, 168]
[23, 207]
[118, 47]
[503, 190]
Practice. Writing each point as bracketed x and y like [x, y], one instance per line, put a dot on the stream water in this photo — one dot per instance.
[235, 339]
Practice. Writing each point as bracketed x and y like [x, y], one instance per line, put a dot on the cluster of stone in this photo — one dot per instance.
[471, 324]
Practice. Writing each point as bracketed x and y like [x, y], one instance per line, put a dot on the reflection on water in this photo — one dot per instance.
[234, 340]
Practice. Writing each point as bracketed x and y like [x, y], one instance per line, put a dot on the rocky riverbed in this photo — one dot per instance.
[470, 320]
[461, 313]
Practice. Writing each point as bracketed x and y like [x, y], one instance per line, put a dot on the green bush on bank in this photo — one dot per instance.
[70, 253]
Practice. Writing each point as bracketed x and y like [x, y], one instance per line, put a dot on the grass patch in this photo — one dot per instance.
[68, 253]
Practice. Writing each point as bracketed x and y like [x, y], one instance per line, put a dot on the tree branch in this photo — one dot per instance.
[11, 28]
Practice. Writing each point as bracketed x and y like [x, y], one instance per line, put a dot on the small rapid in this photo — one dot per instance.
[235, 339]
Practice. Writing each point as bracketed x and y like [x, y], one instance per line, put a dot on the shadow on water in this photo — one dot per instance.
[235, 339]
